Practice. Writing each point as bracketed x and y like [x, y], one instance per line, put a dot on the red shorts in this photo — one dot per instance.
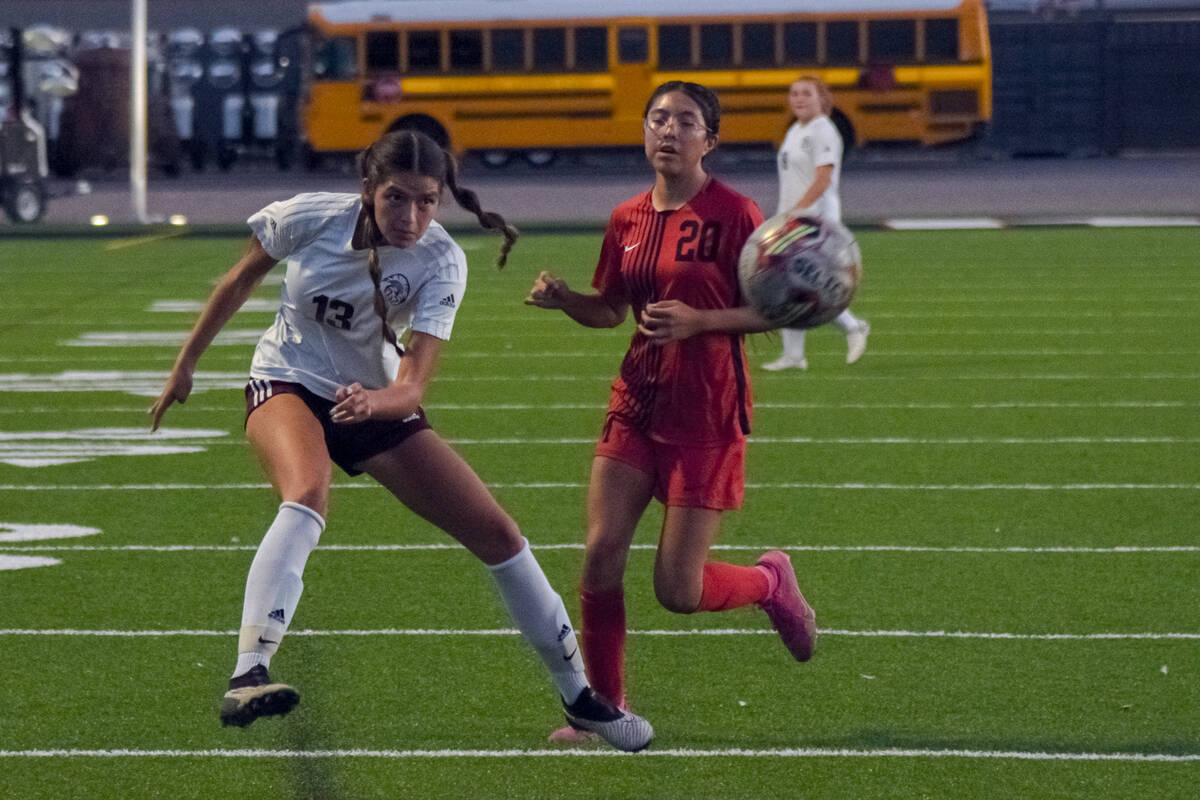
[690, 476]
[351, 444]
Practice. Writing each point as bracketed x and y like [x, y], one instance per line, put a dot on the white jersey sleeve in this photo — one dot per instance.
[286, 226]
[439, 298]
[827, 144]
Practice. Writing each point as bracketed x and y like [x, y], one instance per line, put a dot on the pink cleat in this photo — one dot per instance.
[787, 609]
[573, 736]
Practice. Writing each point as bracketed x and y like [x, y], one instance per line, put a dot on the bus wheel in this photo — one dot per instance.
[540, 158]
[495, 159]
[845, 128]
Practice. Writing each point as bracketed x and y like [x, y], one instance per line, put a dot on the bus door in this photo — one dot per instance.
[631, 73]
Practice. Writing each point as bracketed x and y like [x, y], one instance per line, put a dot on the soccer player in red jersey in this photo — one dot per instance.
[680, 409]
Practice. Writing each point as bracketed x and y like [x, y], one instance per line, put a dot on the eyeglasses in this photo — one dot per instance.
[683, 126]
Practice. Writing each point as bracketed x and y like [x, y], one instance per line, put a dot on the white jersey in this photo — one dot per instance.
[806, 147]
[326, 333]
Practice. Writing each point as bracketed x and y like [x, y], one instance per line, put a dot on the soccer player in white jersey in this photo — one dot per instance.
[330, 384]
[810, 165]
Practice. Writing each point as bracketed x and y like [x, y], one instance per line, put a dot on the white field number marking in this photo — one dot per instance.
[11, 532]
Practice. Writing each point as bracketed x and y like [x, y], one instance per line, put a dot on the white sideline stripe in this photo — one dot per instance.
[1142, 222]
[735, 752]
[901, 634]
[951, 224]
[904, 487]
[815, 548]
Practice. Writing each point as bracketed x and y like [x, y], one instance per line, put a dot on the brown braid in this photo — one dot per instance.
[372, 236]
[416, 153]
[488, 219]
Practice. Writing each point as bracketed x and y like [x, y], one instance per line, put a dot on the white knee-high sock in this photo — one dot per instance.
[847, 322]
[539, 614]
[793, 343]
[274, 584]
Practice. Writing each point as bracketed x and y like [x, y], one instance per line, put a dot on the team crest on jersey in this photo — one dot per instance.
[395, 288]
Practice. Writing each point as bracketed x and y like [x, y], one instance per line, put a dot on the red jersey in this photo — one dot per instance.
[695, 390]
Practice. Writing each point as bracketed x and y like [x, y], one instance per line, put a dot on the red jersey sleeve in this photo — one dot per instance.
[608, 279]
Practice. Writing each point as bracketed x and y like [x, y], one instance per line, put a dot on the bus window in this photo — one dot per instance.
[508, 50]
[800, 42]
[424, 51]
[466, 51]
[336, 59]
[550, 49]
[383, 51]
[941, 40]
[892, 40]
[674, 46]
[633, 46]
[758, 44]
[841, 42]
[591, 49]
[716, 45]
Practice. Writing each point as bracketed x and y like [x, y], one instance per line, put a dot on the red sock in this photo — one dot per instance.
[729, 586]
[602, 637]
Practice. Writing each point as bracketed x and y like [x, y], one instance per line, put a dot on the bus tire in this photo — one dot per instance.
[495, 159]
[540, 158]
[425, 124]
[845, 128]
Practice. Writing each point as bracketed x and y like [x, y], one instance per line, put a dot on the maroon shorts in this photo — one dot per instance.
[689, 476]
[349, 444]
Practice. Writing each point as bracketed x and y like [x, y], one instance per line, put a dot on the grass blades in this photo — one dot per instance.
[993, 514]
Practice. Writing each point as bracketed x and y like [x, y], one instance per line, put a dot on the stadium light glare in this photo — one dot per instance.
[99, 219]
[177, 219]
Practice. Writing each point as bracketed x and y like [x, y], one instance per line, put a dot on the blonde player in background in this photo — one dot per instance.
[810, 164]
[330, 383]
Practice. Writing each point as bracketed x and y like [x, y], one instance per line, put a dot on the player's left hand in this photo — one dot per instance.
[669, 320]
[353, 404]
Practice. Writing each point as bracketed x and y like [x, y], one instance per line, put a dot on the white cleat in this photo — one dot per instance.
[592, 713]
[785, 363]
[856, 342]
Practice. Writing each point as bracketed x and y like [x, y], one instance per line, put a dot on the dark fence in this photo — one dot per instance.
[1095, 86]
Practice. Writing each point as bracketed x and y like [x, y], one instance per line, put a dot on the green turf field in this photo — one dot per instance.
[994, 514]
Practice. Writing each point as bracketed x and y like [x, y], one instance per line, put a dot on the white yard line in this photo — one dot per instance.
[753, 548]
[569, 753]
[438, 632]
[904, 487]
[1000, 405]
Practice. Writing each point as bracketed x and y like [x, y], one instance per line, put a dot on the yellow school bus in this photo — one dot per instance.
[537, 76]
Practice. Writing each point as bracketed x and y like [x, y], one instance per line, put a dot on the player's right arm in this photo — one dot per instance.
[231, 293]
[593, 310]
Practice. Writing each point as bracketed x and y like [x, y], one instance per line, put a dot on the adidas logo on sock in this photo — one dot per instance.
[277, 615]
[564, 633]
[447, 301]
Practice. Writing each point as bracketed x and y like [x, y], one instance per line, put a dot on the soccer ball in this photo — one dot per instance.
[799, 272]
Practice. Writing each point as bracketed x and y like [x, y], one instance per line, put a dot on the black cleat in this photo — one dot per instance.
[252, 695]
